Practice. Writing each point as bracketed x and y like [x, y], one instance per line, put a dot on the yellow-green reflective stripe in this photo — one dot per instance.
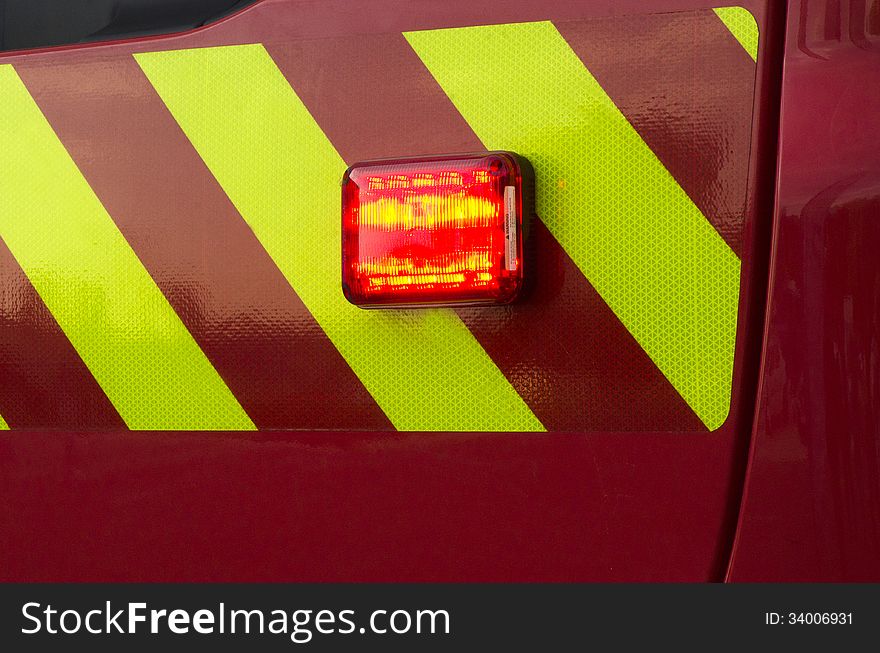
[743, 26]
[424, 368]
[95, 286]
[627, 224]
[3, 425]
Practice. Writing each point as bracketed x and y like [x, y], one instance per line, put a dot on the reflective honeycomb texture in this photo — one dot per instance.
[170, 231]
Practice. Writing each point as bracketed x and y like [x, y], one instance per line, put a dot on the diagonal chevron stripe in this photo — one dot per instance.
[743, 26]
[45, 382]
[237, 305]
[95, 287]
[3, 425]
[688, 90]
[630, 228]
[588, 375]
[424, 368]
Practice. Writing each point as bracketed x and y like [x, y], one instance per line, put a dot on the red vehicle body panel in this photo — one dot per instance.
[383, 506]
[812, 503]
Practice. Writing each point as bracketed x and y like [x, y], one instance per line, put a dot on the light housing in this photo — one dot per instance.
[434, 231]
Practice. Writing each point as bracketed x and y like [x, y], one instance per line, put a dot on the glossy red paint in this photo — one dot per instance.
[812, 502]
[292, 506]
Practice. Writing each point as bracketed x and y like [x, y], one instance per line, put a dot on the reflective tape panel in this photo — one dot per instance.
[45, 383]
[604, 195]
[743, 26]
[205, 259]
[424, 368]
[93, 284]
[588, 375]
[3, 425]
[690, 70]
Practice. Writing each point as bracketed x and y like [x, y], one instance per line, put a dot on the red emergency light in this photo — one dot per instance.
[428, 232]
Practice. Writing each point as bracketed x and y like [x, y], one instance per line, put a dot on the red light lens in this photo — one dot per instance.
[424, 232]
